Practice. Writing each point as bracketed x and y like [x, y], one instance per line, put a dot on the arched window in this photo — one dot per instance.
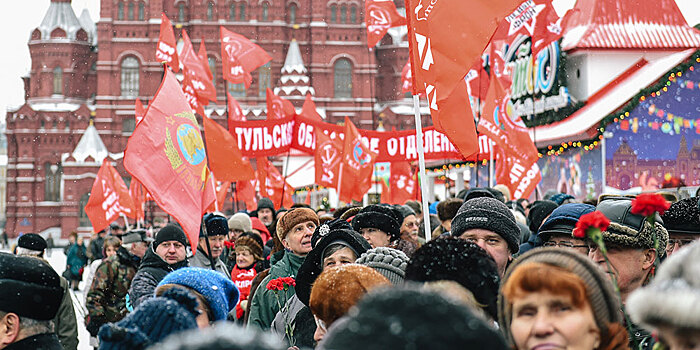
[265, 10]
[334, 14]
[142, 11]
[263, 79]
[232, 12]
[131, 11]
[342, 78]
[120, 11]
[236, 90]
[130, 77]
[343, 14]
[353, 14]
[58, 81]
[212, 69]
[210, 11]
[84, 219]
[181, 12]
[292, 13]
[241, 11]
[52, 182]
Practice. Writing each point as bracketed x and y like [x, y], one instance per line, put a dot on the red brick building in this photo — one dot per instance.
[82, 71]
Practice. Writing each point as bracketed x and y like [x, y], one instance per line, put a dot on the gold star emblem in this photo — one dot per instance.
[169, 119]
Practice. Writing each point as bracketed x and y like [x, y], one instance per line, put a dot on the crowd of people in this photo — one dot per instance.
[494, 273]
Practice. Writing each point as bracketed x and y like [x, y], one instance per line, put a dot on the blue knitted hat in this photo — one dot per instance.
[151, 322]
[563, 220]
[219, 291]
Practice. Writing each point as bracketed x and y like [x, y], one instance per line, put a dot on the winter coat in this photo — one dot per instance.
[152, 270]
[66, 326]
[90, 270]
[405, 246]
[302, 318]
[263, 306]
[76, 260]
[201, 259]
[45, 341]
[106, 299]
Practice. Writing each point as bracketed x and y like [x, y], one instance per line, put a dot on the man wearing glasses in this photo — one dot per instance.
[682, 220]
[557, 229]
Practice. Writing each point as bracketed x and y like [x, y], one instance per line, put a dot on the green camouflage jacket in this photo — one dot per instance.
[106, 299]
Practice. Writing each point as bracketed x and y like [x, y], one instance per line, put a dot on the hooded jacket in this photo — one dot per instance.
[152, 270]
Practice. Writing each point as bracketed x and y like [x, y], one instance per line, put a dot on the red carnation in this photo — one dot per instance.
[595, 220]
[274, 285]
[646, 204]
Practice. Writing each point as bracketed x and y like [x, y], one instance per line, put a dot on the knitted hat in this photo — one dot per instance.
[256, 224]
[599, 290]
[240, 222]
[32, 241]
[333, 232]
[478, 192]
[388, 261]
[337, 289]
[404, 210]
[219, 291]
[447, 209]
[135, 236]
[221, 336]
[265, 203]
[683, 217]
[170, 232]
[461, 261]
[381, 217]
[251, 244]
[538, 212]
[151, 322]
[415, 205]
[411, 318]
[488, 214]
[559, 198]
[216, 225]
[673, 296]
[29, 287]
[292, 218]
[563, 219]
[631, 230]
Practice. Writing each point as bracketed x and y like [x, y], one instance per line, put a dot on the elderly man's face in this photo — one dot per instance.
[409, 228]
[265, 215]
[629, 265]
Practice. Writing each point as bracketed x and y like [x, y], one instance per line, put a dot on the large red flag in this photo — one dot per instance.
[357, 165]
[245, 191]
[204, 58]
[109, 198]
[196, 71]
[273, 185]
[138, 195]
[380, 15]
[166, 154]
[225, 159]
[445, 38]
[327, 159]
[403, 182]
[534, 18]
[139, 111]
[277, 107]
[166, 51]
[221, 189]
[240, 57]
[309, 109]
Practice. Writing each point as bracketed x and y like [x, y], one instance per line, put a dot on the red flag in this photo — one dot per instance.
[240, 56]
[139, 111]
[277, 107]
[166, 51]
[245, 191]
[166, 154]
[386, 193]
[309, 109]
[406, 80]
[271, 184]
[307, 201]
[204, 58]
[357, 165]
[445, 38]
[235, 113]
[403, 182]
[191, 97]
[327, 159]
[534, 18]
[138, 195]
[225, 159]
[196, 71]
[380, 16]
[109, 198]
[221, 189]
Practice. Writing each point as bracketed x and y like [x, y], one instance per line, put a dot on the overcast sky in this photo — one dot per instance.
[19, 18]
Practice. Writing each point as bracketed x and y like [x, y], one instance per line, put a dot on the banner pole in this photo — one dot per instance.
[491, 177]
[421, 164]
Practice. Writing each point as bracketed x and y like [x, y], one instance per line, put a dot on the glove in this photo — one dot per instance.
[93, 325]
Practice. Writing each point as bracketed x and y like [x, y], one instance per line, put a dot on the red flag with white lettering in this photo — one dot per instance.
[225, 159]
[380, 15]
[273, 185]
[240, 57]
[204, 58]
[166, 51]
[139, 111]
[109, 198]
[277, 107]
[235, 112]
[327, 159]
[309, 109]
[534, 18]
[357, 165]
[403, 182]
[196, 71]
[166, 154]
[191, 97]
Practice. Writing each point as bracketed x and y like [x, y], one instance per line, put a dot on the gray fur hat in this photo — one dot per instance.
[388, 261]
[673, 296]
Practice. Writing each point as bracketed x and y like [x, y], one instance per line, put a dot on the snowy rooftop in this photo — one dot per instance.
[293, 63]
[91, 145]
[61, 15]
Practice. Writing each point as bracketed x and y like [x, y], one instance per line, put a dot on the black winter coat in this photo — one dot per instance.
[152, 270]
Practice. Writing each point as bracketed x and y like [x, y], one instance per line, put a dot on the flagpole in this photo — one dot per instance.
[284, 179]
[491, 179]
[206, 240]
[421, 164]
[234, 189]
